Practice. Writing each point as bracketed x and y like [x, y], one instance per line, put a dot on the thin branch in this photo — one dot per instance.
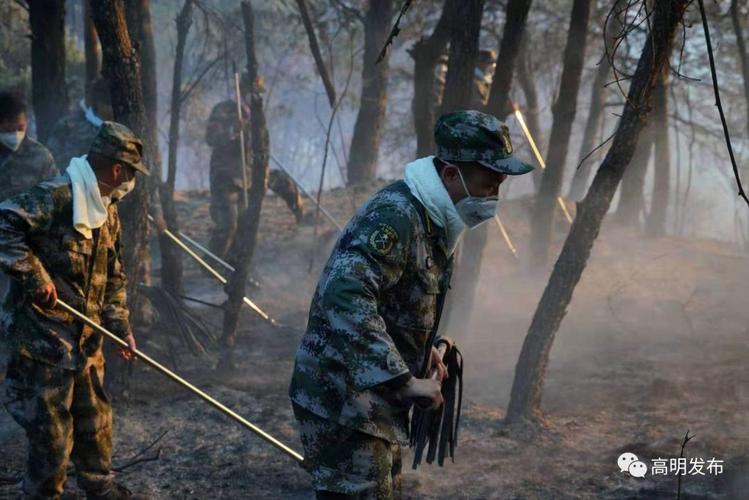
[394, 32]
[687, 437]
[718, 104]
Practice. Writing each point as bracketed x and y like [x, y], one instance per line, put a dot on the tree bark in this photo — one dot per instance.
[656, 221]
[171, 262]
[250, 218]
[525, 399]
[499, 103]
[49, 94]
[632, 195]
[426, 53]
[564, 110]
[121, 68]
[92, 48]
[464, 51]
[365, 143]
[314, 46]
[743, 54]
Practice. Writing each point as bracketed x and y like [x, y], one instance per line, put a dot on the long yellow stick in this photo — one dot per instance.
[506, 236]
[540, 159]
[184, 383]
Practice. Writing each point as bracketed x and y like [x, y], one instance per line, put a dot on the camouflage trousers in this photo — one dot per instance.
[227, 204]
[62, 411]
[345, 463]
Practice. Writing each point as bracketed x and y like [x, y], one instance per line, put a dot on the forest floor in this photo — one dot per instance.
[654, 344]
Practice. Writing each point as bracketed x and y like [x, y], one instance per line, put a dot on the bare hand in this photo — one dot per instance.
[423, 391]
[437, 366]
[129, 353]
[46, 295]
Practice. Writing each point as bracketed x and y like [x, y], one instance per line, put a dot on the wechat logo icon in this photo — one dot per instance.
[628, 462]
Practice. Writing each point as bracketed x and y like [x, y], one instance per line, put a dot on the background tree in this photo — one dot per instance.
[365, 143]
[525, 398]
[655, 224]
[564, 111]
[49, 93]
[92, 48]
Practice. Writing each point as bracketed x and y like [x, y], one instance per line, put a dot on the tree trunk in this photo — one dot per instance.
[121, 68]
[632, 195]
[743, 54]
[525, 399]
[597, 105]
[528, 85]
[365, 143]
[141, 33]
[49, 94]
[171, 262]
[564, 115]
[426, 53]
[656, 221]
[250, 218]
[464, 51]
[92, 48]
[499, 103]
[315, 49]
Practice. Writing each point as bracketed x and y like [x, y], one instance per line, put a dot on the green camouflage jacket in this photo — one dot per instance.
[221, 135]
[373, 316]
[24, 168]
[38, 244]
[71, 137]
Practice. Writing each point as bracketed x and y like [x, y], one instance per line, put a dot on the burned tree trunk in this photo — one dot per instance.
[564, 111]
[171, 261]
[92, 48]
[525, 399]
[121, 68]
[426, 53]
[632, 193]
[250, 219]
[464, 51]
[499, 103]
[315, 49]
[365, 143]
[49, 94]
[138, 15]
[655, 224]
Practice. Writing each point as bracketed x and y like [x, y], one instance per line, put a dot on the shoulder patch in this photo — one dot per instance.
[383, 239]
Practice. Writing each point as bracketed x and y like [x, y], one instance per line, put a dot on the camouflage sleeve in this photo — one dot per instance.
[114, 313]
[20, 217]
[218, 132]
[370, 259]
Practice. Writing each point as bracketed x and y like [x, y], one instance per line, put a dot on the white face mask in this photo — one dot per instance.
[475, 210]
[120, 191]
[12, 140]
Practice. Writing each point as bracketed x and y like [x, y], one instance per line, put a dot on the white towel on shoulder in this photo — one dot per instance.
[89, 209]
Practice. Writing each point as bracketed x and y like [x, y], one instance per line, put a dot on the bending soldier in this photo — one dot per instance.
[222, 135]
[62, 237]
[368, 348]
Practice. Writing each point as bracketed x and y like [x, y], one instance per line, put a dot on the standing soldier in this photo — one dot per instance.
[72, 135]
[373, 320]
[23, 161]
[62, 237]
[222, 135]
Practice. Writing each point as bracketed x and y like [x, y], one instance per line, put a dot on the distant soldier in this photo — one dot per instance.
[482, 78]
[72, 135]
[222, 134]
[62, 238]
[369, 345]
[23, 161]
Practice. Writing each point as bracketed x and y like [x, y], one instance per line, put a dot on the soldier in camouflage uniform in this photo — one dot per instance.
[54, 386]
[23, 161]
[222, 134]
[72, 135]
[368, 348]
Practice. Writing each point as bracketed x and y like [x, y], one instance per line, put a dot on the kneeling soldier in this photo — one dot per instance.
[62, 237]
[368, 347]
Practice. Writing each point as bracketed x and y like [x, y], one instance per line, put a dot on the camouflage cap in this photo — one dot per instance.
[472, 136]
[118, 142]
